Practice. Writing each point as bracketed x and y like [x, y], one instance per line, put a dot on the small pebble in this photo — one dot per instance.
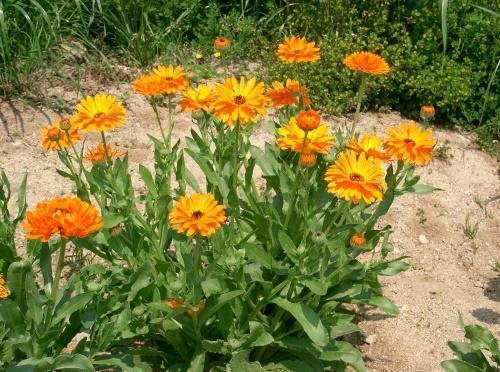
[423, 239]
[371, 339]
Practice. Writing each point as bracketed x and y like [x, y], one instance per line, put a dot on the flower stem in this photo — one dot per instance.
[361, 94]
[158, 119]
[108, 159]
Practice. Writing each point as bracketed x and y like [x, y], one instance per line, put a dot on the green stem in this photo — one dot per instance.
[158, 119]
[361, 94]
[296, 184]
[197, 284]
[108, 159]
[170, 123]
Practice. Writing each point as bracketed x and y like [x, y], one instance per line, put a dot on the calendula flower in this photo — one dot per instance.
[150, 85]
[175, 303]
[59, 135]
[298, 50]
[354, 177]
[308, 159]
[239, 100]
[299, 89]
[217, 54]
[308, 120]
[69, 217]
[4, 291]
[198, 56]
[410, 143]
[197, 213]
[100, 112]
[280, 95]
[427, 112]
[370, 145]
[97, 154]
[318, 140]
[173, 78]
[357, 240]
[194, 100]
[367, 62]
[221, 42]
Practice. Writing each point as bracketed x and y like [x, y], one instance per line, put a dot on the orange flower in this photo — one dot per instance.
[4, 291]
[427, 112]
[173, 80]
[308, 120]
[100, 112]
[369, 144]
[196, 100]
[367, 62]
[221, 42]
[69, 217]
[239, 101]
[308, 159]
[197, 213]
[281, 96]
[59, 135]
[295, 87]
[355, 178]
[150, 85]
[97, 154]
[358, 240]
[318, 141]
[175, 303]
[298, 50]
[410, 143]
[199, 309]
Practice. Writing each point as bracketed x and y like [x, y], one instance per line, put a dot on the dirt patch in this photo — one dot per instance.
[450, 271]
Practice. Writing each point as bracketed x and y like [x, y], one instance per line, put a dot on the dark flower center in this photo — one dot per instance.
[409, 141]
[197, 215]
[356, 177]
[99, 115]
[239, 100]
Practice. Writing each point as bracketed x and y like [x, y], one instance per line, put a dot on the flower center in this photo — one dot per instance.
[239, 100]
[197, 215]
[356, 177]
[99, 115]
[409, 141]
[54, 134]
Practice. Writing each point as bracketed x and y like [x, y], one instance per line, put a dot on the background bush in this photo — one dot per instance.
[407, 33]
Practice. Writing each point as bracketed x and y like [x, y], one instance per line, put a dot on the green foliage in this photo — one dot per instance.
[471, 356]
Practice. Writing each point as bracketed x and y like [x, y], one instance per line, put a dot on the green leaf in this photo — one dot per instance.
[384, 304]
[287, 245]
[73, 362]
[214, 305]
[112, 220]
[239, 363]
[307, 318]
[422, 189]
[258, 336]
[73, 304]
[392, 267]
[459, 366]
[481, 338]
[344, 351]
[147, 177]
[257, 253]
[140, 279]
[198, 361]
[21, 200]
[343, 329]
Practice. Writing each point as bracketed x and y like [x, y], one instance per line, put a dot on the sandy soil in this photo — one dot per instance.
[449, 273]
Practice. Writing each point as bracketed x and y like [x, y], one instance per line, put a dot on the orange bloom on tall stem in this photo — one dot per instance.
[370, 145]
[173, 79]
[355, 177]
[69, 217]
[97, 154]
[291, 137]
[197, 213]
[367, 62]
[59, 135]
[308, 120]
[221, 42]
[298, 50]
[239, 100]
[100, 112]
[150, 85]
[195, 100]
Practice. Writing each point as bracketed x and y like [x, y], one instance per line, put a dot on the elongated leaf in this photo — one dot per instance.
[73, 362]
[344, 351]
[147, 177]
[74, 304]
[220, 301]
[384, 304]
[307, 318]
[422, 189]
[459, 366]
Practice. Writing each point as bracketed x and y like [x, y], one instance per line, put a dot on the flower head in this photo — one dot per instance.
[308, 159]
[369, 144]
[367, 62]
[198, 56]
[217, 54]
[299, 89]
[100, 112]
[175, 303]
[194, 100]
[59, 135]
[97, 154]
[355, 177]
[197, 213]
[357, 240]
[318, 141]
[69, 217]
[4, 291]
[221, 42]
[281, 95]
[308, 120]
[173, 79]
[150, 85]
[298, 50]
[427, 112]
[410, 143]
[239, 100]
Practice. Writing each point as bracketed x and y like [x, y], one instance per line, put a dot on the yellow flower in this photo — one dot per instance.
[239, 101]
[298, 50]
[196, 100]
[410, 143]
[217, 54]
[100, 112]
[370, 145]
[173, 79]
[4, 291]
[59, 135]
[198, 56]
[197, 213]
[318, 141]
[367, 62]
[355, 177]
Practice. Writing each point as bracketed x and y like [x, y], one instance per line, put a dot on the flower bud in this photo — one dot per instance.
[65, 124]
[308, 120]
[308, 159]
[358, 240]
[54, 134]
[427, 112]
[319, 237]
